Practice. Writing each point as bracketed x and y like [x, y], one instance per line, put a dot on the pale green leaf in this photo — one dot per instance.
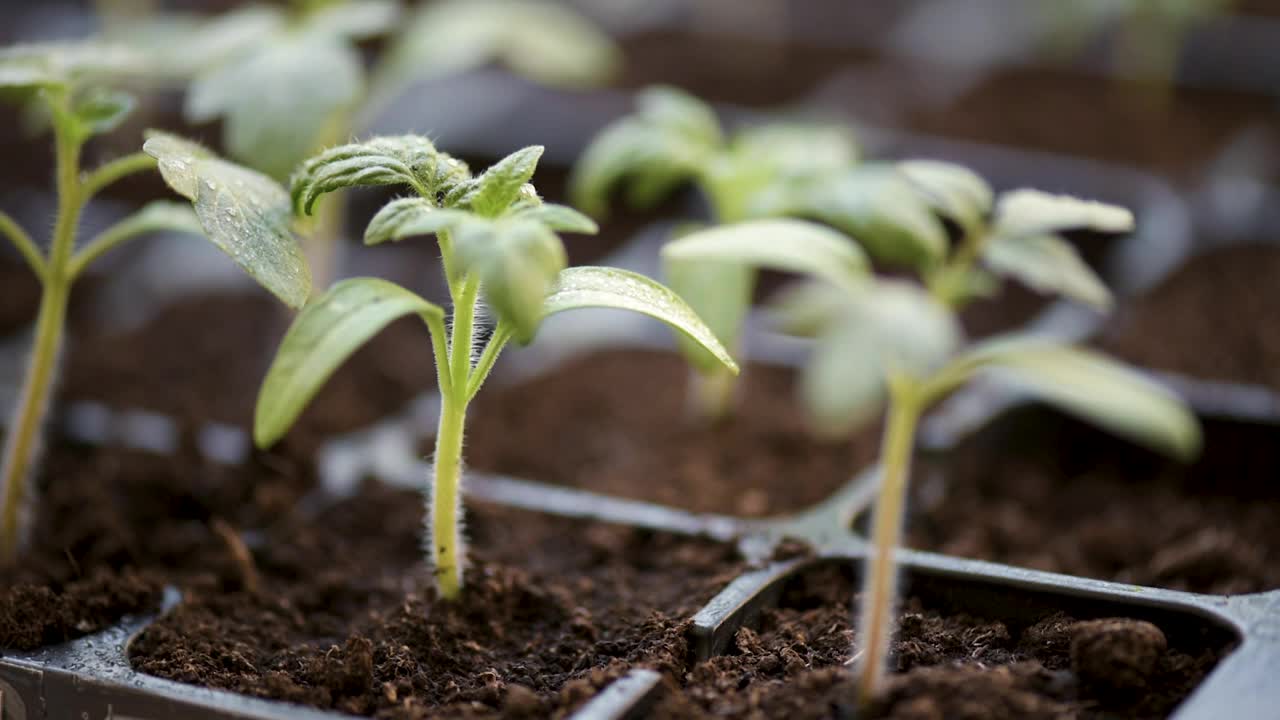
[560, 218]
[544, 41]
[409, 160]
[1023, 213]
[951, 190]
[807, 308]
[720, 293]
[407, 217]
[872, 331]
[881, 209]
[356, 19]
[517, 261]
[281, 101]
[322, 337]
[64, 65]
[797, 150]
[787, 245]
[679, 113]
[1049, 264]
[584, 287]
[243, 212]
[101, 111]
[1096, 388]
[160, 215]
[499, 186]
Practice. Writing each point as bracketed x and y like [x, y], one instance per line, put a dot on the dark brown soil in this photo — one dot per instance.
[1215, 318]
[617, 422]
[19, 295]
[346, 617]
[1037, 489]
[949, 664]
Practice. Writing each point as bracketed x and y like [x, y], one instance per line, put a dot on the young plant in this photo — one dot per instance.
[499, 242]
[674, 138]
[288, 81]
[897, 342]
[65, 82]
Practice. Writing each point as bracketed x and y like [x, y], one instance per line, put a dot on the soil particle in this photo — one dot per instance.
[1116, 655]
[948, 664]
[1214, 318]
[617, 422]
[1037, 489]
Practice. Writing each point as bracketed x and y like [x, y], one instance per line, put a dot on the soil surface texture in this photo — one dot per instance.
[1037, 489]
[618, 422]
[947, 663]
[345, 617]
[1214, 318]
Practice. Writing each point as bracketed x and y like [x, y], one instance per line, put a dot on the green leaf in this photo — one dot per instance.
[560, 218]
[517, 261]
[499, 187]
[323, 336]
[1049, 264]
[161, 215]
[777, 244]
[64, 65]
[1095, 388]
[407, 217]
[882, 210]
[667, 140]
[583, 287]
[243, 212]
[1022, 213]
[395, 160]
[951, 190]
[281, 101]
[101, 111]
[797, 150]
[880, 328]
[544, 41]
[356, 19]
[720, 293]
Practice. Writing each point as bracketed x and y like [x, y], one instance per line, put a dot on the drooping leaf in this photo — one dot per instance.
[407, 217]
[101, 111]
[787, 245]
[680, 113]
[282, 100]
[881, 209]
[1095, 388]
[951, 190]
[394, 160]
[517, 261]
[1023, 213]
[499, 186]
[560, 218]
[322, 337]
[243, 212]
[1049, 264]
[864, 334]
[544, 41]
[599, 287]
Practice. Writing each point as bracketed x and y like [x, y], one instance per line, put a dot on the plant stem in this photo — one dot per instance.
[446, 531]
[22, 439]
[880, 582]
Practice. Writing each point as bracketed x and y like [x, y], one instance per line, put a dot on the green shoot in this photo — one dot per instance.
[674, 138]
[64, 80]
[898, 343]
[287, 81]
[499, 242]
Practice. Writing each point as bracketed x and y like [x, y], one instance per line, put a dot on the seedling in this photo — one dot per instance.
[674, 138]
[287, 81]
[67, 83]
[499, 241]
[899, 342]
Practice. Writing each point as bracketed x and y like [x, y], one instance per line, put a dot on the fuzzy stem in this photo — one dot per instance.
[880, 582]
[22, 439]
[446, 535]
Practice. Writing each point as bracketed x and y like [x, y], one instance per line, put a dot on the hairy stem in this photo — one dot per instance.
[22, 439]
[881, 575]
[446, 531]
